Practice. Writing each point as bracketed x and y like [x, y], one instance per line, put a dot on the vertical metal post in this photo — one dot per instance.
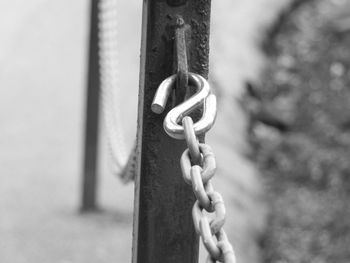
[163, 227]
[89, 185]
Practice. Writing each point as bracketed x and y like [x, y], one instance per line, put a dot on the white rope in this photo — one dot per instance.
[108, 59]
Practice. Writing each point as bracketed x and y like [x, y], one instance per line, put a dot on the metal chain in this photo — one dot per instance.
[199, 175]
[123, 162]
[198, 167]
[198, 163]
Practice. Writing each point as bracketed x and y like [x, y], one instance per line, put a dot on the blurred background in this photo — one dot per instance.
[44, 55]
[283, 165]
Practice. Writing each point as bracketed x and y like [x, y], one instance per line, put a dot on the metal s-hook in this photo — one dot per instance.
[174, 117]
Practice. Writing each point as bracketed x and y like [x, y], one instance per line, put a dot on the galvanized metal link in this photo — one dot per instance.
[191, 140]
[197, 216]
[224, 245]
[198, 175]
[208, 164]
[220, 212]
[201, 98]
[199, 188]
[208, 239]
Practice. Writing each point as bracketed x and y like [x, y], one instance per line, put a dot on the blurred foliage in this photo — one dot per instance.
[301, 132]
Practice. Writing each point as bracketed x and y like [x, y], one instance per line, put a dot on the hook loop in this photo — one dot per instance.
[175, 116]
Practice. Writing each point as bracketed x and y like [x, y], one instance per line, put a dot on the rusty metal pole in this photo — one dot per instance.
[163, 227]
[89, 184]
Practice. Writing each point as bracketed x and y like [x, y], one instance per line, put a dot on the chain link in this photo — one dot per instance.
[122, 159]
[213, 236]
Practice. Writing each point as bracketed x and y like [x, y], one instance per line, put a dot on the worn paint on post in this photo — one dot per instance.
[163, 227]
